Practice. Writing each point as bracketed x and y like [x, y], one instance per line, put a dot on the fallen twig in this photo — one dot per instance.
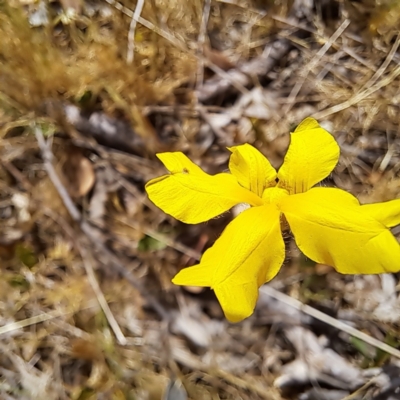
[89, 230]
[14, 326]
[132, 29]
[276, 294]
[200, 42]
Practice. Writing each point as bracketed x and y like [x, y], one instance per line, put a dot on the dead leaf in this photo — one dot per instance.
[78, 173]
[317, 363]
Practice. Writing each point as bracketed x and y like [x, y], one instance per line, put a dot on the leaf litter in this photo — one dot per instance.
[124, 331]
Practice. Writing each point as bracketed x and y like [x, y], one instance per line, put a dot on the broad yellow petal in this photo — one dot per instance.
[249, 253]
[388, 213]
[312, 155]
[331, 228]
[252, 170]
[192, 196]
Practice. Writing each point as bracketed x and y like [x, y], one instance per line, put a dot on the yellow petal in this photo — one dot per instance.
[330, 227]
[252, 170]
[249, 253]
[388, 213]
[191, 195]
[273, 195]
[312, 155]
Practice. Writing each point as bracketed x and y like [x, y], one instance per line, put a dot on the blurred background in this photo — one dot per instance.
[90, 91]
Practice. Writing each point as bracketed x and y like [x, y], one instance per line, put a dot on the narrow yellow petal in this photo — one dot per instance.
[330, 227]
[192, 196]
[312, 155]
[252, 170]
[194, 276]
[249, 253]
[237, 300]
[388, 213]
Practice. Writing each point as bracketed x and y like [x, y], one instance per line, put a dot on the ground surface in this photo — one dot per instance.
[87, 308]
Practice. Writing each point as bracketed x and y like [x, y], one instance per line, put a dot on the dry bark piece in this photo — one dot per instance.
[242, 75]
[317, 363]
[257, 103]
[175, 391]
[388, 382]
[192, 329]
[108, 131]
[376, 296]
[39, 17]
[106, 183]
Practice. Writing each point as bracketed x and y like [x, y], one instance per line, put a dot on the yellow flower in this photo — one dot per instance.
[329, 225]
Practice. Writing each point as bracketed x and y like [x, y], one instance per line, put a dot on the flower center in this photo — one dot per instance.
[274, 194]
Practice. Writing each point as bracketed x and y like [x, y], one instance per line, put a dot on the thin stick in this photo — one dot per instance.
[284, 298]
[91, 277]
[132, 29]
[14, 326]
[149, 25]
[201, 41]
[101, 299]
[47, 156]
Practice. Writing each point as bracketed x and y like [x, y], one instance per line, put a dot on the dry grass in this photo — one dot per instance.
[87, 309]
